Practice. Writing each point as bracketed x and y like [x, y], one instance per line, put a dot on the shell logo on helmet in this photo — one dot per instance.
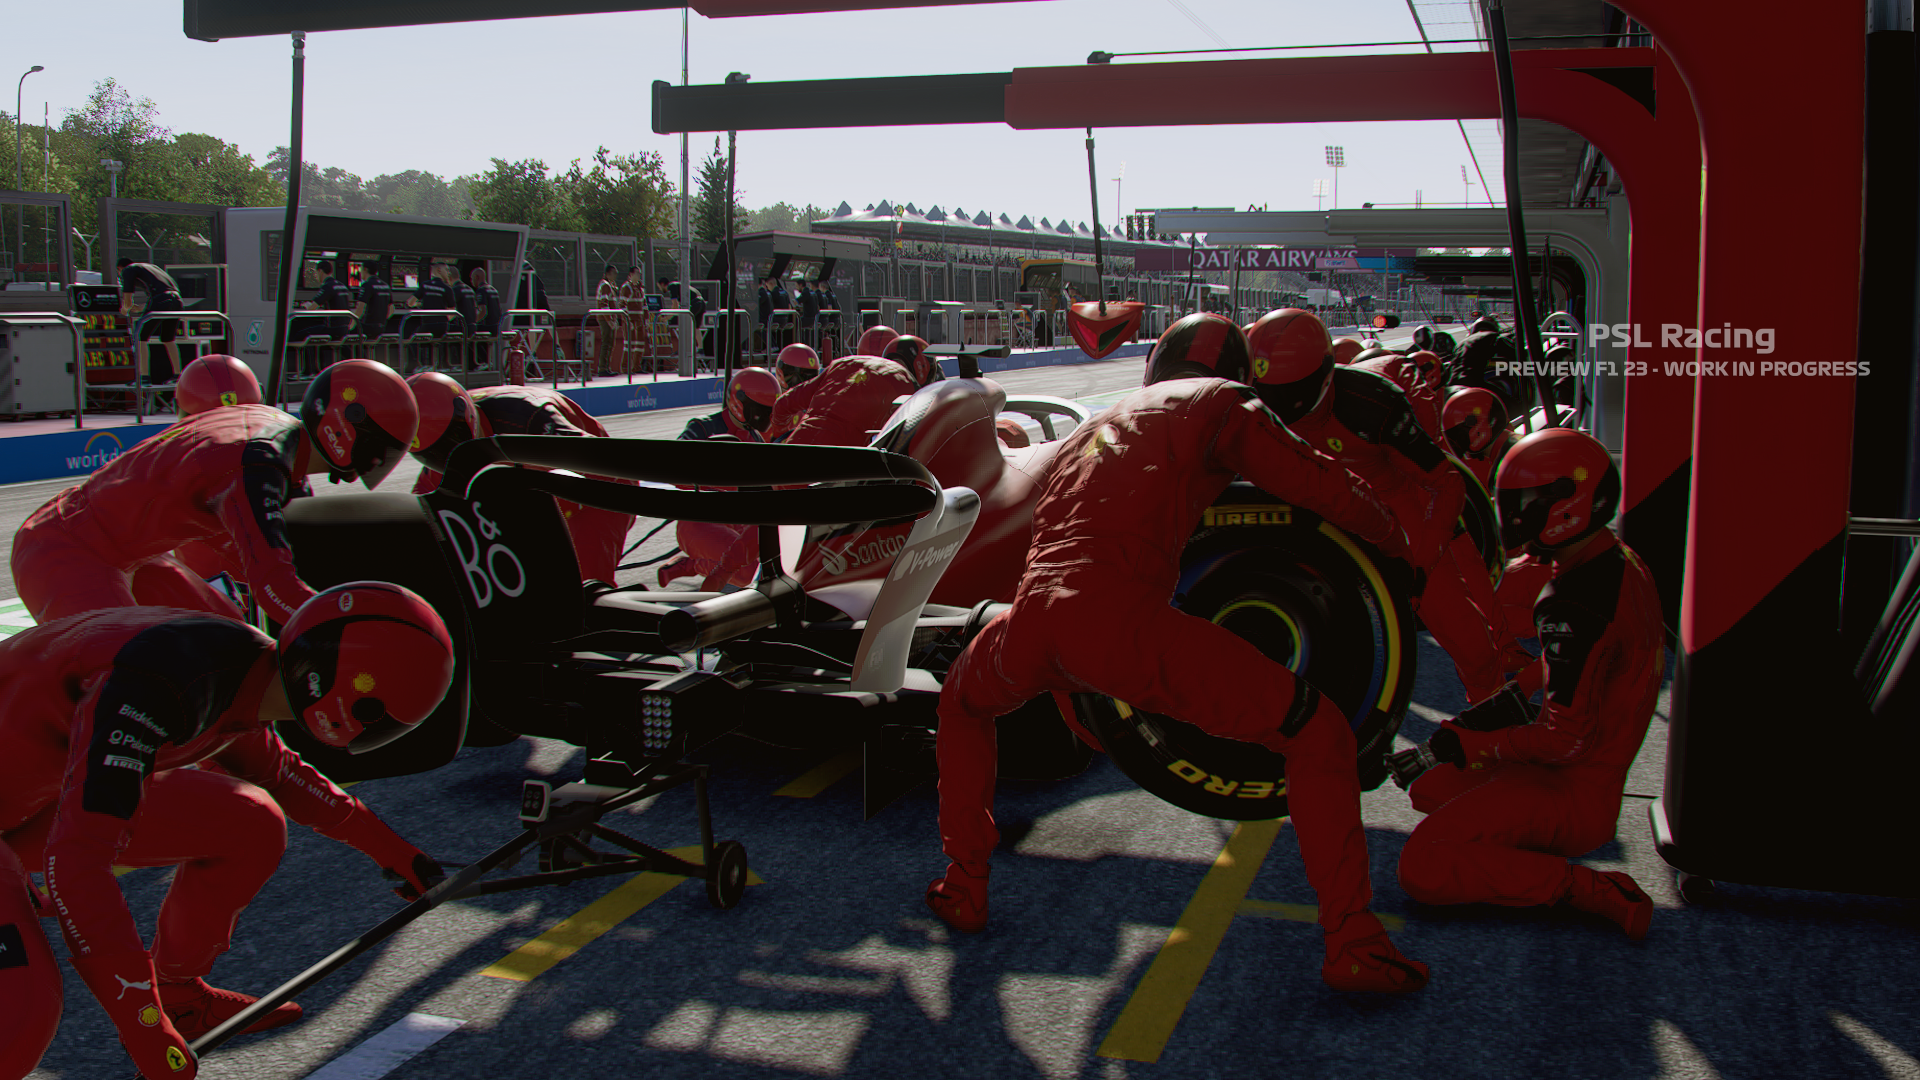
[363, 682]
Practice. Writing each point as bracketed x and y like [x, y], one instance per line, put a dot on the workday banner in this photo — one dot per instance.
[68, 453]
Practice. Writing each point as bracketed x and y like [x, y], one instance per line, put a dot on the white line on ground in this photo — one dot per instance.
[388, 1050]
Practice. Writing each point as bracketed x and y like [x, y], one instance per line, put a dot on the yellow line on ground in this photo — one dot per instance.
[1270, 909]
[823, 776]
[1154, 1010]
[577, 931]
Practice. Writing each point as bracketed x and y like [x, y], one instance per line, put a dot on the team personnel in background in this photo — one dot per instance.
[103, 714]
[451, 415]
[606, 296]
[331, 296]
[224, 474]
[696, 304]
[1507, 807]
[373, 303]
[435, 295]
[1474, 420]
[633, 297]
[163, 295]
[1364, 422]
[488, 314]
[1097, 561]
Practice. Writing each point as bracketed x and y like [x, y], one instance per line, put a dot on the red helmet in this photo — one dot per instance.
[1345, 349]
[448, 417]
[362, 418]
[797, 363]
[1202, 345]
[1013, 435]
[1470, 417]
[213, 381]
[362, 663]
[750, 397]
[1292, 362]
[1428, 364]
[1555, 487]
[875, 341]
[911, 353]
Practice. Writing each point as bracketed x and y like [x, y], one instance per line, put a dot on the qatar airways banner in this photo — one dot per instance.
[1274, 258]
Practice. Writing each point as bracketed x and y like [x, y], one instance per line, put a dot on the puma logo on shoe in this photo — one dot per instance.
[126, 986]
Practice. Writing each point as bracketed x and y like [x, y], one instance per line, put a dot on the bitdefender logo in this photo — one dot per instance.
[101, 449]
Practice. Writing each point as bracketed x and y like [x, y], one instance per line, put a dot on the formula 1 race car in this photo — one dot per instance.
[878, 565]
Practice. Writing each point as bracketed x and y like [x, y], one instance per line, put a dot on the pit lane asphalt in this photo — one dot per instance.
[833, 967]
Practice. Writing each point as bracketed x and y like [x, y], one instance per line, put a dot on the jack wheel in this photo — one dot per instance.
[727, 877]
[1693, 889]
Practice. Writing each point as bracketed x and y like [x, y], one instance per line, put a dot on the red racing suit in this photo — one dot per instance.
[844, 405]
[599, 536]
[1092, 614]
[1404, 374]
[222, 474]
[100, 713]
[1501, 830]
[1371, 429]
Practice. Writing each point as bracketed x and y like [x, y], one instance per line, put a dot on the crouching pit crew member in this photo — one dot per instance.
[102, 713]
[1097, 560]
[451, 415]
[1507, 807]
[223, 474]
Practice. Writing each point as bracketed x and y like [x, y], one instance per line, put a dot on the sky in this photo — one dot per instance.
[448, 98]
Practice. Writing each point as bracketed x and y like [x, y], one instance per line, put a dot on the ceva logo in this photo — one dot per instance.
[102, 448]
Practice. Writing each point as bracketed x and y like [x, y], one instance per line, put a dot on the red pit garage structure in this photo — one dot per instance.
[1697, 466]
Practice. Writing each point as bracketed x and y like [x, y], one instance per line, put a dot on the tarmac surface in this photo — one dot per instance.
[1129, 939]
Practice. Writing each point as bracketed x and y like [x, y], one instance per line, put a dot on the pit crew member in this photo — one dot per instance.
[103, 713]
[450, 415]
[226, 474]
[1507, 807]
[1097, 561]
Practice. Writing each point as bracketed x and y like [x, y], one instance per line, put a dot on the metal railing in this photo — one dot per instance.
[140, 388]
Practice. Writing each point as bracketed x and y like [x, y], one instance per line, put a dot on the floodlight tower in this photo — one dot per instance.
[1337, 160]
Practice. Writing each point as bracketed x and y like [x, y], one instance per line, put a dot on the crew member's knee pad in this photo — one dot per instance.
[1423, 869]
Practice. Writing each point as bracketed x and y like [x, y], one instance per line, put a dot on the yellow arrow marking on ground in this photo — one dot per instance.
[1154, 1010]
[576, 931]
[823, 776]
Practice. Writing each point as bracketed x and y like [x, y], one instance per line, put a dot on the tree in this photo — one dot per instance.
[215, 172]
[622, 195]
[785, 217]
[708, 223]
[521, 192]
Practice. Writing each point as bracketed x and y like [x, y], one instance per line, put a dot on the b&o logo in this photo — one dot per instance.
[483, 559]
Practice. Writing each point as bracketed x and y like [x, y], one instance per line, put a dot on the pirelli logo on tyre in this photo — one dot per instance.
[1220, 785]
[1265, 514]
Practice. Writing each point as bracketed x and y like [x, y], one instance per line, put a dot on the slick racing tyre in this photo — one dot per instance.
[1482, 522]
[382, 536]
[1308, 596]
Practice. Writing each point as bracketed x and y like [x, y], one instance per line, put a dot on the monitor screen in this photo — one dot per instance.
[655, 302]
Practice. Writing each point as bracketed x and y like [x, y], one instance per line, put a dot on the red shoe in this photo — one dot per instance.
[1361, 958]
[960, 899]
[1614, 896]
[196, 1008]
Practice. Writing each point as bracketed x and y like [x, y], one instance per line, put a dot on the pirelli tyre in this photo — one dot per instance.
[1482, 522]
[1308, 596]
